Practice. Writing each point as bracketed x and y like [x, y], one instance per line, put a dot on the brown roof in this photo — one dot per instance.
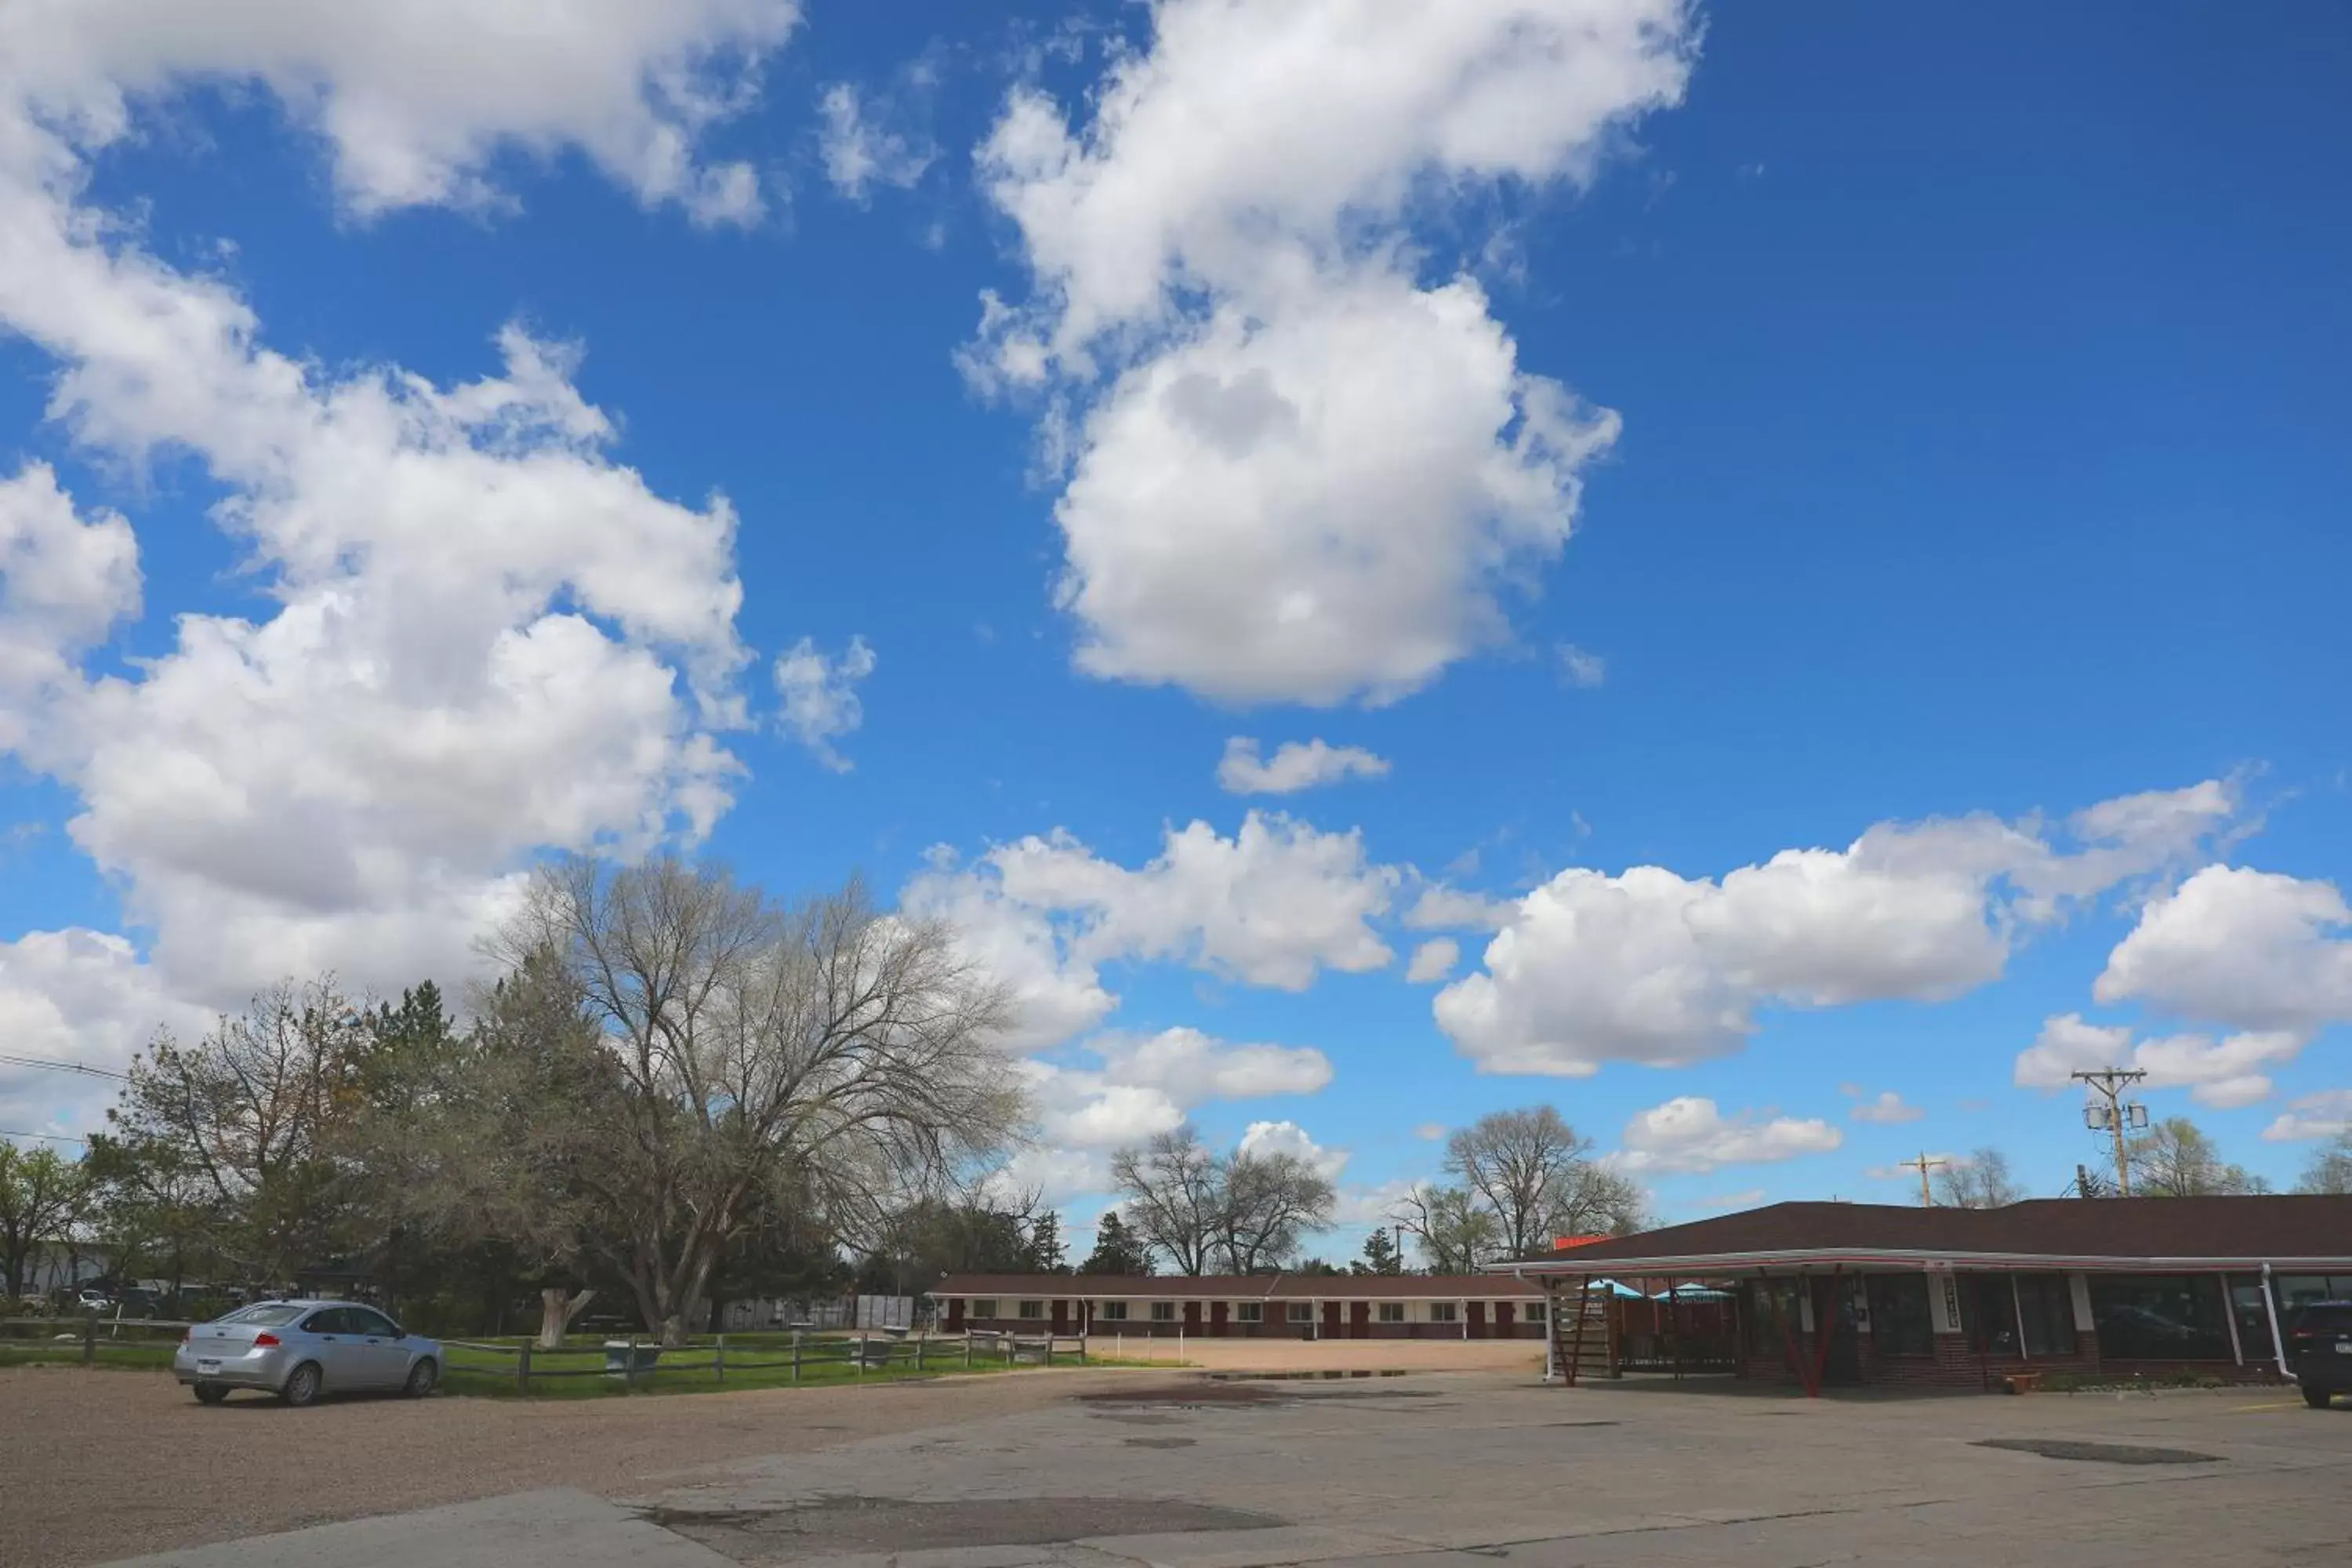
[1237, 1287]
[2113, 1232]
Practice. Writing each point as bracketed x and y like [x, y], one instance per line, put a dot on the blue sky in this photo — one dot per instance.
[1973, 457]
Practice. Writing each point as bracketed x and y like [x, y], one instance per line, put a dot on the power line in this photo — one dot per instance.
[82, 1068]
[52, 1137]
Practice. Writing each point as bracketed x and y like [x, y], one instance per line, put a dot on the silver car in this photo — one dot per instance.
[299, 1350]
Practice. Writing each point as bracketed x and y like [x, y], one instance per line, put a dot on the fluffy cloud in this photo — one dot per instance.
[2327, 1114]
[861, 150]
[1146, 1085]
[1273, 905]
[1580, 669]
[1886, 1109]
[1651, 966]
[1296, 472]
[1441, 908]
[2252, 950]
[1269, 1138]
[1433, 961]
[820, 697]
[482, 637]
[64, 582]
[82, 998]
[416, 100]
[1688, 1133]
[1295, 765]
[2224, 1073]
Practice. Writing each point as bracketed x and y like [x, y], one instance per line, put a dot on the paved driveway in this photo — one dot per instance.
[1455, 1471]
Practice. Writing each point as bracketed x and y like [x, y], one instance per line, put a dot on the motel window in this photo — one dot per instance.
[1032, 1308]
[1163, 1312]
[1443, 1311]
[1112, 1311]
[1534, 1312]
[2159, 1317]
[1899, 1315]
[1392, 1311]
[983, 1307]
[1250, 1311]
[1300, 1311]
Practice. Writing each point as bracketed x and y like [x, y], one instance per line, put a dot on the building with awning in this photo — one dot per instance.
[1838, 1293]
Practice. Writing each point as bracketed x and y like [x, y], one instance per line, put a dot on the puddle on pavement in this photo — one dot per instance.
[1160, 1442]
[2099, 1453]
[837, 1526]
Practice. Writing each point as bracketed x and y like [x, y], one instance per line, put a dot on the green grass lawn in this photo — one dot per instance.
[577, 1372]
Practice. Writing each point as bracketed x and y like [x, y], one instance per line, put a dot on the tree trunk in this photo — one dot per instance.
[558, 1308]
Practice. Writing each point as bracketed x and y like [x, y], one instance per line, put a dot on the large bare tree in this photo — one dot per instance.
[1534, 1172]
[1977, 1181]
[1271, 1201]
[830, 1055]
[1174, 1188]
[1456, 1228]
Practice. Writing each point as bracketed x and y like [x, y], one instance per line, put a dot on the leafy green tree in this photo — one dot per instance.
[1118, 1249]
[2175, 1159]
[1457, 1229]
[250, 1118]
[40, 1192]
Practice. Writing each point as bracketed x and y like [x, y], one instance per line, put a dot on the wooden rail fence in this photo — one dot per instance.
[644, 1357]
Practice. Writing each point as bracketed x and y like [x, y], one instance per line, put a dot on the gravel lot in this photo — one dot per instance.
[95, 1466]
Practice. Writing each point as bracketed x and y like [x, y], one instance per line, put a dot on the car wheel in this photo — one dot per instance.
[211, 1392]
[421, 1377]
[2316, 1398]
[302, 1388]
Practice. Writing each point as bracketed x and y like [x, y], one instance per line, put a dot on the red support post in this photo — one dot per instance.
[1821, 1331]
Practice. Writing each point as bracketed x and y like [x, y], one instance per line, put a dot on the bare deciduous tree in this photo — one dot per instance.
[831, 1057]
[1271, 1201]
[2330, 1170]
[1174, 1188]
[1977, 1181]
[1533, 1171]
[1455, 1227]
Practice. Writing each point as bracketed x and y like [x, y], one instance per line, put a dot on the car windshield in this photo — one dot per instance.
[2326, 1317]
[268, 1317]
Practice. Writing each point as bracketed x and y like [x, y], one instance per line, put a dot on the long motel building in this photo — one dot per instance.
[1246, 1306]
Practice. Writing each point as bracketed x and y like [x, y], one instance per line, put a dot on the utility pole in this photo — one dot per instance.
[2117, 1116]
[1923, 1165]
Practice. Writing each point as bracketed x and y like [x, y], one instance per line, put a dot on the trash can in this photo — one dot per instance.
[616, 1357]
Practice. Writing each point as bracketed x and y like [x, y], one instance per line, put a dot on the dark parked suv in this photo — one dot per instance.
[2319, 1350]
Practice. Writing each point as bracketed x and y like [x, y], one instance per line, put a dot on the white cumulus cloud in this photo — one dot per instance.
[1689, 1133]
[1267, 1138]
[1433, 961]
[1295, 765]
[2326, 1114]
[2251, 949]
[1297, 471]
[861, 149]
[1581, 668]
[476, 635]
[2224, 1072]
[1886, 1109]
[1649, 965]
[820, 697]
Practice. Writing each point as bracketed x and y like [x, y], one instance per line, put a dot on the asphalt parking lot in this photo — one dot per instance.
[1106, 1471]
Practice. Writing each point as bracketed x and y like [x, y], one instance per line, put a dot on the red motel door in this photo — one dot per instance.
[1360, 1320]
[1191, 1317]
[1330, 1319]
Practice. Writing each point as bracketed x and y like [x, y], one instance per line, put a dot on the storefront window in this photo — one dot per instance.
[2295, 1289]
[2150, 1317]
[1899, 1315]
[1771, 1307]
[2046, 1313]
[1989, 1314]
